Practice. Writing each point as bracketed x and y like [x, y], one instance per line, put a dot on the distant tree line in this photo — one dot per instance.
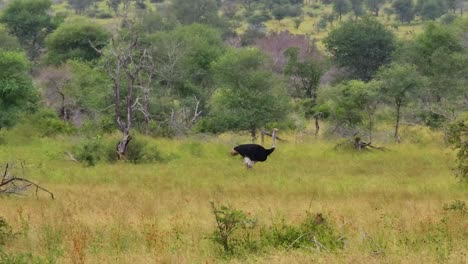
[183, 69]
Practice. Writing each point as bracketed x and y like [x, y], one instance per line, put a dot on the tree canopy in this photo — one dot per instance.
[362, 46]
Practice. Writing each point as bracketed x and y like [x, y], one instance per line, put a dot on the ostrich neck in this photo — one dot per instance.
[274, 139]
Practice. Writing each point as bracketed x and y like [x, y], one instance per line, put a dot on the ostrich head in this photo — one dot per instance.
[234, 152]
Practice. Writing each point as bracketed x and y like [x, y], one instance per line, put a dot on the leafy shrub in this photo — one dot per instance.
[139, 150]
[91, 151]
[314, 231]
[229, 220]
[456, 137]
[456, 205]
[97, 149]
[44, 123]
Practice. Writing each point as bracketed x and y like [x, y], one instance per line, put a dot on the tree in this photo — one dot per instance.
[249, 96]
[30, 22]
[356, 6]
[276, 44]
[114, 4]
[75, 90]
[196, 11]
[404, 10]
[184, 58]
[375, 5]
[361, 46]
[399, 84]
[72, 40]
[305, 75]
[17, 93]
[431, 9]
[341, 7]
[126, 61]
[439, 54]
[352, 104]
[80, 5]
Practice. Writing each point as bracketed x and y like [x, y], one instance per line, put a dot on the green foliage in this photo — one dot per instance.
[249, 95]
[80, 5]
[456, 134]
[153, 21]
[72, 40]
[304, 75]
[352, 104]
[404, 10]
[30, 22]
[400, 83]
[281, 11]
[191, 49]
[361, 46]
[7, 41]
[140, 151]
[89, 87]
[439, 54]
[17, 93]
[94, 150]
[457, 206]
[375, 5]
[315, 231]
[91, 151]
[341, 7]
[431, 9]
[44, 123]
[196, 11]
[229, 220]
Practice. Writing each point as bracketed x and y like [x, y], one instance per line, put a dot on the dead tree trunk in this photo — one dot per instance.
[397, 122]
[253, 134]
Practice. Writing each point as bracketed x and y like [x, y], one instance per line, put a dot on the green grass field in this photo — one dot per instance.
[387, 205]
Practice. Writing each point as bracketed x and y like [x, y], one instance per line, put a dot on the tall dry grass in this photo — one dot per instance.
[388, 205]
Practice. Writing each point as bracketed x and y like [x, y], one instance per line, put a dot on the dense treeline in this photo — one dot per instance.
[177, 67]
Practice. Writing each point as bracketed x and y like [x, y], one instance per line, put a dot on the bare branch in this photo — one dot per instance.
[17, 185]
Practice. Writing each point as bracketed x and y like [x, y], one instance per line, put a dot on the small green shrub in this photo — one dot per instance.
[283, 235]
[139, 150]
[315, 231]
[456, 137]
[229, 220]
[456, 205]
[91, 151]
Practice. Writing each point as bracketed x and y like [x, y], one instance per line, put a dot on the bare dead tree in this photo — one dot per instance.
[54, 81]
[11, 184]
[126, 60]
[183, 119]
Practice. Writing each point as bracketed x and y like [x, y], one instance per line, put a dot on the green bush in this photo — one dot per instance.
[457, 206]
[315, 231]
[229, 220]
[456, 137]
[91, 151]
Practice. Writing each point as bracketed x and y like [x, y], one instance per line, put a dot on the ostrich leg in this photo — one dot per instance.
[248, 162]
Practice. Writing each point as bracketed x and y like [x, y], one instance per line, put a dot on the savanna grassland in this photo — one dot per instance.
[387, 207]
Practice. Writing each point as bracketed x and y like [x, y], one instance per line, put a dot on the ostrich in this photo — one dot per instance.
[253, 152]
